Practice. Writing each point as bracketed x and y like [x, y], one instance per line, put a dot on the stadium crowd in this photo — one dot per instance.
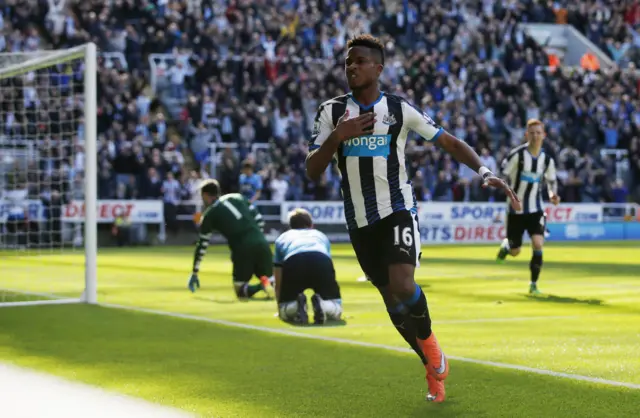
[256, 71]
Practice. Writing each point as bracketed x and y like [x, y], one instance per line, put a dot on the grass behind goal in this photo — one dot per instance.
[586, 325]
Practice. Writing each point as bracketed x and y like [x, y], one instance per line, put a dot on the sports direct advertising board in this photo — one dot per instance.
[451, 222]
[138, 211]
[497, 212]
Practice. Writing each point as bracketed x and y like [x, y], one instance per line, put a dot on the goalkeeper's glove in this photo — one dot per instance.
[194, 282]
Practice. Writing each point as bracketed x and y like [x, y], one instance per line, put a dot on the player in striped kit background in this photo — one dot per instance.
[526, 167]
[366, 132]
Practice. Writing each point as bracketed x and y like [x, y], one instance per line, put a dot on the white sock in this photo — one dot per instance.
[288, 311]
[332, 308]
[505, 244]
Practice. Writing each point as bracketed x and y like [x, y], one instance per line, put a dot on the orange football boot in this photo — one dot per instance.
[436, 389]
[437, 363]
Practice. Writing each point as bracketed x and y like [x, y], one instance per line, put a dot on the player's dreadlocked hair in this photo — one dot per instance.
[368, 41]
[300, 219]
[211, 187]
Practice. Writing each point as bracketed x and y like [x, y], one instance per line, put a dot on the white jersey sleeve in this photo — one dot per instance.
[420, 123]
[510, 165]
[326, 242]
[279, 253]
[550, 174]
[322, 127]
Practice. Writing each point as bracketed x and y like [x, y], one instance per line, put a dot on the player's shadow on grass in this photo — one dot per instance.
[331, 324]
[328, 324]
[564, 299]
[568, 267]
[232, 301]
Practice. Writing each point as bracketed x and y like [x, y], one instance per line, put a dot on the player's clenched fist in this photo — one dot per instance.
[351, 128]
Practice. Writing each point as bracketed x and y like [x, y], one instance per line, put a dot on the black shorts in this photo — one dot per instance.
[304, 271]
[392, 240]
[255, 260]
[517, 224]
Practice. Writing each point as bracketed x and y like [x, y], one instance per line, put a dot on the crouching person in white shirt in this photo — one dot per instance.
[302, 261]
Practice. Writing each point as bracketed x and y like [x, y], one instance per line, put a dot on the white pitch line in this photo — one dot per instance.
[24, 292]
[373, 345]
[27, 394]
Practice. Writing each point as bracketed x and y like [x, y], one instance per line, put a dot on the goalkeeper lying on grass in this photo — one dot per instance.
[240, 223]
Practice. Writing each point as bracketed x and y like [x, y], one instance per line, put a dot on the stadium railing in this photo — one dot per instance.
[110, 58]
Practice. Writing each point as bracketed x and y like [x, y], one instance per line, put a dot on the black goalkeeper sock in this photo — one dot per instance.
[248, 290]
[252, 289]
[404, 325]
[419, 313]
[535, 265]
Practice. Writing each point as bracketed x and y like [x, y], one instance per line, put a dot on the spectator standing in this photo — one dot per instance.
[171, 190]
[279, 186]
[250, 182]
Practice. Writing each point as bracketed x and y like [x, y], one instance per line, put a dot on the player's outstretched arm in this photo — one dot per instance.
[206, 228]
[278, 259]
[277, 273]
[326, 140]
[459, 150]
[466, 155]
[424, 126]
[201, 250]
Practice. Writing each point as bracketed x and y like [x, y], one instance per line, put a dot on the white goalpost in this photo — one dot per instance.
[48, 160]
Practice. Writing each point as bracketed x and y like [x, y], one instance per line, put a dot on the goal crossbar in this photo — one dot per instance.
[43, 60]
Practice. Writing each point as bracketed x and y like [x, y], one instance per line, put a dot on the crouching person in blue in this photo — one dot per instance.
[302, 261]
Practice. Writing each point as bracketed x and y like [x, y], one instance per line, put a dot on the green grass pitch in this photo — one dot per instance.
[587, 324]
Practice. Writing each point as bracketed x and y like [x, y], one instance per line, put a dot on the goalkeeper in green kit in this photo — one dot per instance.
[241, 224]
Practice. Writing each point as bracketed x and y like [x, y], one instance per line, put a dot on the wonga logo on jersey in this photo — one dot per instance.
[367, 146]
[530, 177]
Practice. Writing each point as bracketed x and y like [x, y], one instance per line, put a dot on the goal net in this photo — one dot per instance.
[48, 162]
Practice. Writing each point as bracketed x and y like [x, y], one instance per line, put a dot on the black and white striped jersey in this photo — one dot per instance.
[375, 182]
[525, 173]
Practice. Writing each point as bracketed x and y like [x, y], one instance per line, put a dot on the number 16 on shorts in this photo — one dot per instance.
[406, 235]
[404, 244]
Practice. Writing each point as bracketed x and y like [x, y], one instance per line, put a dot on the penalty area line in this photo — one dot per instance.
[372, 345]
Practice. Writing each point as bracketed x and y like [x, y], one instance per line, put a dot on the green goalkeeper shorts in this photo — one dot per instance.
[250, 261]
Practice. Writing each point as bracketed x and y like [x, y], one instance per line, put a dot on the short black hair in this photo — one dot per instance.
[210, 187]
[247, 164]
[368, 41]
[300, 219]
